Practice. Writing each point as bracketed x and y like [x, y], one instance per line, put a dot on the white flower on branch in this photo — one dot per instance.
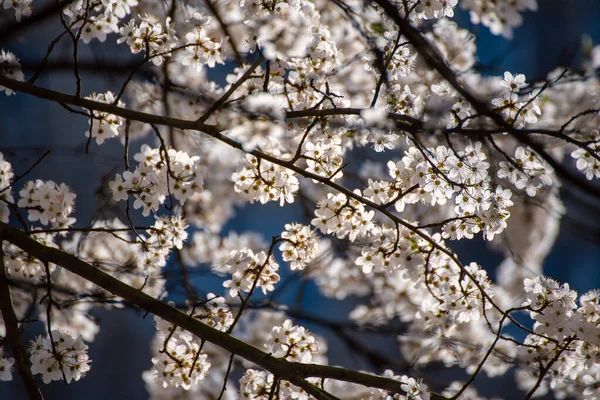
[248, 270]
[104, 125]
[9, 64]
[264, 181]
[59, 356]
[6, 364]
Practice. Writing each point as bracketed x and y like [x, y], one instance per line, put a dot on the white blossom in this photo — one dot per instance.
[59, 356]
[9, 63]
[6, 364]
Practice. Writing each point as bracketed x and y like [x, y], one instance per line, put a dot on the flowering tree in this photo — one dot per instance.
[456, 154]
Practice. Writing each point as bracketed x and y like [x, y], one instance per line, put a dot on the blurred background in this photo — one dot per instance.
[551, 37]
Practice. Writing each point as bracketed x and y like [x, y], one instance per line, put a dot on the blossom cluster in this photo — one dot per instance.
[207, 247]
[299, 245]
[149, 36]
[6, 177]
[516, 110]
[565, 339]
[159, 174]
[388, 249]
[500, 16]
[22, 8]
[166, 233]
[292, 342]
[435, 175]
[214, 312]
[102, 124]
[250, 270]
[284, 33]
[59, 356]
[342, 216]
[588, 160]
[283, 339]
[180, 361]
[323, 157]
[20, 265]
[48, 202]
[6, 364]
[202, 49]
[257, 385]
[264, 181]
[97, 20]
[527, 171]
[167, 381]
[9, 65]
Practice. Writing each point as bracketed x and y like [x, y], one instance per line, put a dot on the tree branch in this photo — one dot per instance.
[293, 372]
[214, 132]
[13, 335]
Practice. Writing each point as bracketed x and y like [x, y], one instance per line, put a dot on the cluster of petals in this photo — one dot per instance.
[565, 338]
[214, 312]
[102, 124]
[166, 233]
[527, 171]
[48, 202]
[435, 8]
[323, 157]
[210, 248]
[292, 342]
[6, 177]
[59, 356]
[299, 245]
[500, 16]
[434, 176]
[97, 20]
[264, 181]
[413, 389]
[22, 8]
[389, 249]
[250, 270]
[6, 364]
[149, 36]
[201, 49]
[9, 65]
[342, 216]
[257, 385]
[159, 174]
[179, 362]
[515, 108]
[588, 159]
[20, 265]
[281, 30]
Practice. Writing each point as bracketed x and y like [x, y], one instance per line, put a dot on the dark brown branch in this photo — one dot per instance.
[13, 335]
[212, 131]
[217, 104]
[292, 372]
